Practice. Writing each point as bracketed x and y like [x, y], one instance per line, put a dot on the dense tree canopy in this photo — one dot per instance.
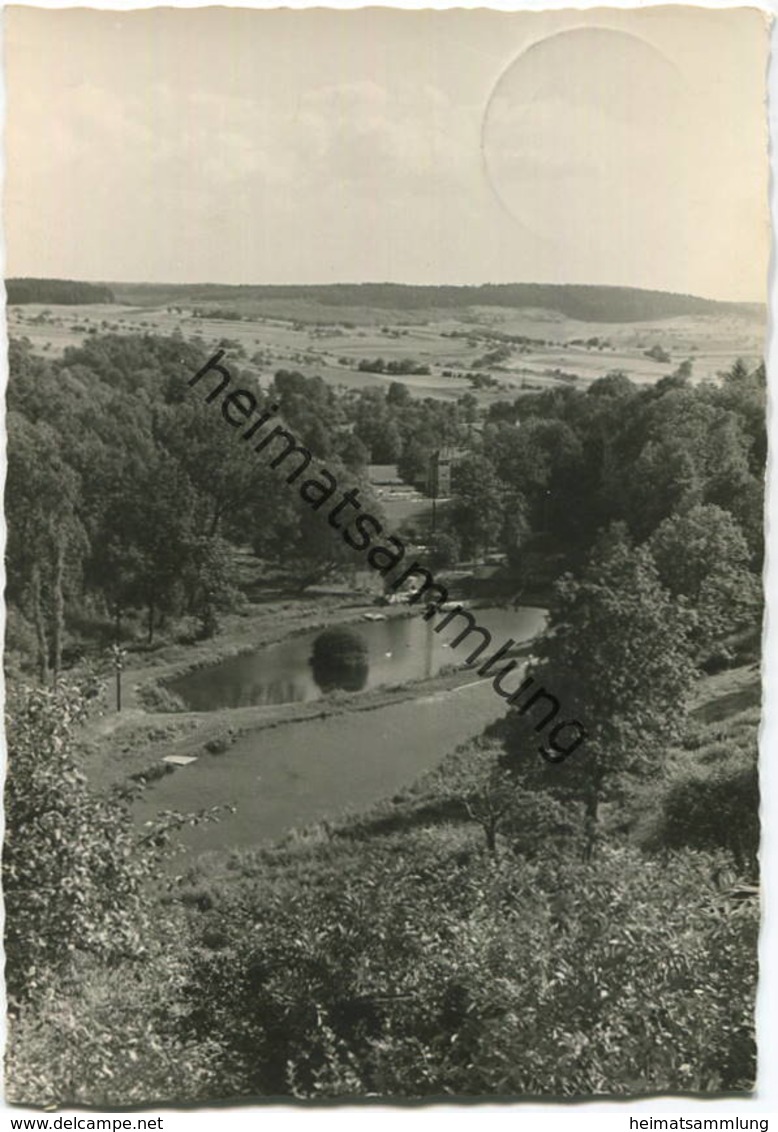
[56, 291]
[119, 478]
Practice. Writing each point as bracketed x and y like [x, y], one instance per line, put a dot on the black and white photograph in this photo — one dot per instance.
[386, 441]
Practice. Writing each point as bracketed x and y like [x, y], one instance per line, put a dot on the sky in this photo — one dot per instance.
[227, 145]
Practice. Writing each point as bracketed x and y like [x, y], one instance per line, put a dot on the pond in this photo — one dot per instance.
[398, 649]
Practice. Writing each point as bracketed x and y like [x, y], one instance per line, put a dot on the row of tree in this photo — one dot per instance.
[65, 291]
[567, 463]
[125, 494]
[655, 496]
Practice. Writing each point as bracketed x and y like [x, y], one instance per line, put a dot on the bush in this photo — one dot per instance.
[218, 744]
[153, 773]
[658, 353]
[114, 1039]
[71, 880]
[713, 806]
[20, 640]
[444, 552]
[718, 659]
[95, 966]
[156, 697]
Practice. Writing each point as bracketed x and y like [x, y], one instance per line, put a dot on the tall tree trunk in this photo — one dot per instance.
[151, 621]
[215, 518]
[58, 630]
[40, 627]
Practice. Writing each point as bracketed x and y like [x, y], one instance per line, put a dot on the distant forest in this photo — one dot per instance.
[587, 303]
[56, 291]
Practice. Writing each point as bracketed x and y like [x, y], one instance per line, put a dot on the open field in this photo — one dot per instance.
[454, 345]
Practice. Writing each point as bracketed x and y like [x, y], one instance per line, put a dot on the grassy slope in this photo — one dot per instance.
[726, 705]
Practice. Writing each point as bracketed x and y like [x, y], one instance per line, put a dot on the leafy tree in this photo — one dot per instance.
[468, 404]
[475, 514]
[309, 406]
[617, 656]
[398, 394]
[72, 883]
[376, 427]
[354, 454]
[665, 478]
[161, 515]
[615, 384]
[210, 577]
[702, 556]
[744, 392]
[288, 532]
[414, 464]
[488, 794]
[444, 551]
[47, 542]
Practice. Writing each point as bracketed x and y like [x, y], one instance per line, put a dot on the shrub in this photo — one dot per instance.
[658, 353]
[71, 881]
[718, 659]
[218, 744]
[152, 773]
[94, 965]
[713, 806]
[114, 1038]
[20, 639]
[156, 697]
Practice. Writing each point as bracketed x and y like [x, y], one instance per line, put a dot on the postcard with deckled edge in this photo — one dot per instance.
[386, 450]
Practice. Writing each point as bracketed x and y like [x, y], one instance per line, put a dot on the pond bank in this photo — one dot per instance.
[279, 769]
[311, 770]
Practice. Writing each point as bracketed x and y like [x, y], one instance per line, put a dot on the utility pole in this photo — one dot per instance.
[117, 659]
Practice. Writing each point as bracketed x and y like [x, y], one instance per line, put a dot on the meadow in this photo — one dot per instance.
[290, 334]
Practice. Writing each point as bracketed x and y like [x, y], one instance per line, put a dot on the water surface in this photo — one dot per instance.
[285, 777]
[398, 650]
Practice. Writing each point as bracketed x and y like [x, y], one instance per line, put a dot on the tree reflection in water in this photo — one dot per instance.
[339, 661]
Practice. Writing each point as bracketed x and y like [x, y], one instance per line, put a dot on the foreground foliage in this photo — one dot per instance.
[398, 955]
[94, 964]
[419, 966]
